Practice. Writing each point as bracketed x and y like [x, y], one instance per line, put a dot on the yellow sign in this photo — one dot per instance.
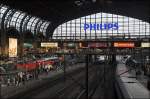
[12, 47]
[49, 45]
[145, 44]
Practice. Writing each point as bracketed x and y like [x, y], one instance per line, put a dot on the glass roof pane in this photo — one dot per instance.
[2, 11]
[42, 26]
[10, 11]
[22, 15]
[36, 20]
[45, 27]
[39, 24]
[32, 19]
[16, 14]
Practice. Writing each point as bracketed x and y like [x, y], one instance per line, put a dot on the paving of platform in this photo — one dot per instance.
[136, 88]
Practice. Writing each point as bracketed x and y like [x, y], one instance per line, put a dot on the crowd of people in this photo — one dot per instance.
[20, 78]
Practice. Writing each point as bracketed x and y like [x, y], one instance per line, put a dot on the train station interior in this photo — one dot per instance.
[75, 49]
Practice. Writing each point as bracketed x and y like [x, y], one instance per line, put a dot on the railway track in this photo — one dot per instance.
[96, 81]
[71, 88]
[74, 88]
[57, 86]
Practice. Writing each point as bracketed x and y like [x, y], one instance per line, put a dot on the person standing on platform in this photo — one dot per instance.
[23, 78]
[17, 80]
[8, 82]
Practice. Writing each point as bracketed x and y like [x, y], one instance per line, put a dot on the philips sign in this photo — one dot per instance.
[105, 26]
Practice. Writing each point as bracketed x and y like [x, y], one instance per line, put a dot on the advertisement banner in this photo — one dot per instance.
[12, 47]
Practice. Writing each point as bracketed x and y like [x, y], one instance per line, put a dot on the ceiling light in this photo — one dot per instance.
[78, 3]
[93, 1]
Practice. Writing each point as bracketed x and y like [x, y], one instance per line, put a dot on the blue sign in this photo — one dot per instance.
[105, 26]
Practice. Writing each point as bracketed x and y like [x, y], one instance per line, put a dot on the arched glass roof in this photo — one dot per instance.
[2, 11]
[21, 20]
[102, 25]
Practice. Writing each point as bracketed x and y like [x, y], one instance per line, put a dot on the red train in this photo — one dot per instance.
[33, 65]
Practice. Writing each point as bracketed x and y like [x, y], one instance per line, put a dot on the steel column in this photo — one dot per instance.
[64, 69]
[86, 75]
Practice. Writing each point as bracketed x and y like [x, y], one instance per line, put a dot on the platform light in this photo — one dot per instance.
[78, 3]
[93, 1]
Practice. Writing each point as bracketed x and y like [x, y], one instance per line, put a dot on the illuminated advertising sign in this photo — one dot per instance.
[105, 26]
[48, 44]
[12, 47]
[124, 44]
[145, 44]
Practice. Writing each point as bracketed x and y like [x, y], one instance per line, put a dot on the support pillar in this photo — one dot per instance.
[86, 75]
[4, 44]
[20, 46]
[64, 69]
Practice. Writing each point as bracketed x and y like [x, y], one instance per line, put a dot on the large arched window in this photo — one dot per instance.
[102, 25]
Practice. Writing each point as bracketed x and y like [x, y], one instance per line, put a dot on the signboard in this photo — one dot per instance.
[27, 45]
[146, 44]
[97, 45]
[71, 45]
[12, 47]
[124, 44]
[83, 45]
[101, 26]
[47, 44]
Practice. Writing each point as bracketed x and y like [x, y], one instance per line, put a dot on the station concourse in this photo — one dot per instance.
[75, 49]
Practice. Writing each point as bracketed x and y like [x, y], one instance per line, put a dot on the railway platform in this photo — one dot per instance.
[132, 86]
[9, 91]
